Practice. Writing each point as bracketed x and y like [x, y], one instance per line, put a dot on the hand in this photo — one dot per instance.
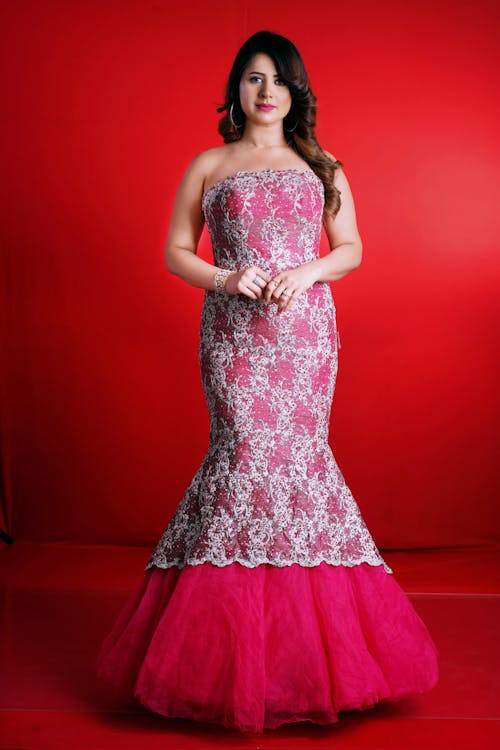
[251, 282]
[286, 286]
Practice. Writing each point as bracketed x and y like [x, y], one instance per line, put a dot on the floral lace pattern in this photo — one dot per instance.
[269, 489]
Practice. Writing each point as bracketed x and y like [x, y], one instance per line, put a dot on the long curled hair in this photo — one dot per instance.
[299, 124]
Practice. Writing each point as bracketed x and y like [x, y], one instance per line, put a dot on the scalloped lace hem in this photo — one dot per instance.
[181, 563]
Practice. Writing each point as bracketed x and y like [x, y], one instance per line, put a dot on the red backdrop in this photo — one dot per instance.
[103, 106]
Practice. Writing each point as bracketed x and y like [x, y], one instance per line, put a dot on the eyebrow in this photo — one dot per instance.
[276, 75]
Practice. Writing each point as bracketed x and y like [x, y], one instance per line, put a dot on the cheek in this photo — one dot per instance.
[243, 92]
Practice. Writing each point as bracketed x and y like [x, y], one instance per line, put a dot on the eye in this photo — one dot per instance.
[254, 79]
[280, 82]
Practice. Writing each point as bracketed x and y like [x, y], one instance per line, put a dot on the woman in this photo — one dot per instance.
[266, 599]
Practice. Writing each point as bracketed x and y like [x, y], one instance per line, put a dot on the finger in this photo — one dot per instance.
[257, 284]
[276, 284]
[244, 288]
[271, 285]
[278, 290]
[255, 281]
[287, 307]
[254, 286]
[262, 279]
[263, 275]
[287, 298]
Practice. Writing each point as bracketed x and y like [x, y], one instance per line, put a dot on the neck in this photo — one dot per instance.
[257, 136]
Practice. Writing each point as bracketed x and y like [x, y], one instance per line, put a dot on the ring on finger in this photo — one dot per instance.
[257, 279]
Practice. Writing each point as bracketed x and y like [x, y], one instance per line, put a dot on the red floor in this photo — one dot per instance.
[58, 602]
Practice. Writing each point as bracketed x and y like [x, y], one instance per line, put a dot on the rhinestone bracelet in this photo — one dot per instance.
[220, 279]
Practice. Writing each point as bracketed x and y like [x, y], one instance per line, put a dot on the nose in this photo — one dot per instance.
[265, 89]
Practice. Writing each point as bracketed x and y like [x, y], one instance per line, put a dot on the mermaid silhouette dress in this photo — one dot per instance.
[266, 600]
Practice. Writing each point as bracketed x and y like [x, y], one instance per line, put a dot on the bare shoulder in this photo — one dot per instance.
[193, 180]
[329, 155]
[208, 161]
[210, 157]
[339, 179]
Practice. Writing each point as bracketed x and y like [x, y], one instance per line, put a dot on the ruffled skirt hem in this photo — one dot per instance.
[255, 648]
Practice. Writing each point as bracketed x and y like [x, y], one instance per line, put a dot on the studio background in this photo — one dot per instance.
[103, 106]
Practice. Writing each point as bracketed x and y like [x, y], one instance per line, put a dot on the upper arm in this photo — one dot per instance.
[187, 220]
[343, 227]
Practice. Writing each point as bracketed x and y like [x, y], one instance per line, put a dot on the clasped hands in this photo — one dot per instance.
[281, 289]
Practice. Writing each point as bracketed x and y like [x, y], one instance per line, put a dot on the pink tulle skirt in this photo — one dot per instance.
[254, 648]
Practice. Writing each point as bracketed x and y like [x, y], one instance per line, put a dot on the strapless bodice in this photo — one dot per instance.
[270, 218]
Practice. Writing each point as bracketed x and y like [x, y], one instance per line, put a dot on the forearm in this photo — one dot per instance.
[338, 263]
[189, 267]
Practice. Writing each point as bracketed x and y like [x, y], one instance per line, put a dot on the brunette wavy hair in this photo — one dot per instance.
[299, 124]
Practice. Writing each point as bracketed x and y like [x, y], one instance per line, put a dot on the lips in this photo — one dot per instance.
[266, 107]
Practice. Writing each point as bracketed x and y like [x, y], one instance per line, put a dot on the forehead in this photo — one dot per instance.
[263, 64]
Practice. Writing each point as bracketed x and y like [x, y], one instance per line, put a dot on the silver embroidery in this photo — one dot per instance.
[269, 489]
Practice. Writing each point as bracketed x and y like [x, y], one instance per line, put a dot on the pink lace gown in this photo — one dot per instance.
[266, 599]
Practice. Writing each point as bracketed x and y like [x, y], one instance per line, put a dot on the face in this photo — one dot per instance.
[264, 96]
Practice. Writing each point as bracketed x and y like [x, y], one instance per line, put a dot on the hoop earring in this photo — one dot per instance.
[231, 117]
[290, 130]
